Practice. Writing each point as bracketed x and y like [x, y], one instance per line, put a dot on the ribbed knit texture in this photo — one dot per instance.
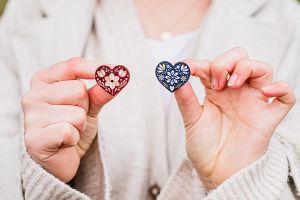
[40, 185]
[265, 178]
[31, 31]
[184, 184]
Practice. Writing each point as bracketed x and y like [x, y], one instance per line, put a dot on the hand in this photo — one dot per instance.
[60, 116]
[234, 125]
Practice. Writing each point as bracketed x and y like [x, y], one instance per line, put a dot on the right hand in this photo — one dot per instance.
[233, 126]
[60, 116]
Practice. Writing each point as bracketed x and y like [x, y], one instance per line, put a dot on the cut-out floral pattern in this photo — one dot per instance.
[112, 80]
[172, 77]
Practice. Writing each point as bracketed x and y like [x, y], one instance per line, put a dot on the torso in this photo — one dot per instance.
[135, 146]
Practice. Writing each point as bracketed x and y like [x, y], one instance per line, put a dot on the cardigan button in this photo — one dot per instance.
[154, 191]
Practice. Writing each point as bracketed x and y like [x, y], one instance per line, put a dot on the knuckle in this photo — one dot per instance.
[31, 119]
[66, 128]
[67, 136]
[30, 142]
[263, 65]
[36, 77]
[36, 74]
[293, 99]
[70, 138]
[80, 116]
[26, 100]
[241, 51]
[291, 95]
[285, 85]
[74, 61]
[217, 66]
[68, 131]
[81, 90]
[269, 68]
[243, 64]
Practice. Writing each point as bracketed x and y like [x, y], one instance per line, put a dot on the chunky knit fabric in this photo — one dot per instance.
[133, 153]
[266, 178]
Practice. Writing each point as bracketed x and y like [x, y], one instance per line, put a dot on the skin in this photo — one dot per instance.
[240, 133]
[234, 125]
[60, 128]
[60, 116]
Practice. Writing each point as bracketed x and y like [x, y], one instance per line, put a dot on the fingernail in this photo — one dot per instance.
[232, 80]
[214, 83]
[268, 88]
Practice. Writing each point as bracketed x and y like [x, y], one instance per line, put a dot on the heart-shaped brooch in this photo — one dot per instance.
[172, 77]
[112, 80]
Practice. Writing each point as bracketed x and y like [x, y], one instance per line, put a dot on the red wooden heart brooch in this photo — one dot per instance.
[112, 80]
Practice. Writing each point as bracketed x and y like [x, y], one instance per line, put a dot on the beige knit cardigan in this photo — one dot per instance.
[132, 150]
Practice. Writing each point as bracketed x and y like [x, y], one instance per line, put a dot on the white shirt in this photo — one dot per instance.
[173, 50]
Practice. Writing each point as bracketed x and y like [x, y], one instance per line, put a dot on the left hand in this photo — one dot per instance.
[234, 125]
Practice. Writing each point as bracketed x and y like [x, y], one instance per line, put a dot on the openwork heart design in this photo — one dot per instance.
[112, 80]
[172, 77]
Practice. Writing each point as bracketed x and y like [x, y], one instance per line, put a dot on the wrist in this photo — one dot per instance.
[220, 172]
[211, 182]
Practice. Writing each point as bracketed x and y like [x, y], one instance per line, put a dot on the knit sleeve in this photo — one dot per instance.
[266, 178]
[39, 184]
[184, 184]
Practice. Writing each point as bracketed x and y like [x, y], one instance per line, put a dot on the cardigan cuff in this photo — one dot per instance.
[184, 184]
[266, 178]
[39, 184]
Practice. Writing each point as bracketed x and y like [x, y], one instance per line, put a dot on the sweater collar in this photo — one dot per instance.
[245, 6]
[51, 7]
[54, 7]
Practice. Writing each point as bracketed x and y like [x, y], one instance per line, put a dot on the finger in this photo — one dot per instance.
[201, 69]
[188, 104]
[259, 74]
[284, 98]
[223, 65]
[52, 114]
[52, 137]
[73, 92]
[98, 98]
[74, 68]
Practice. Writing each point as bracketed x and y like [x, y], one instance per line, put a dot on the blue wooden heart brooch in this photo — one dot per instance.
[171, 76]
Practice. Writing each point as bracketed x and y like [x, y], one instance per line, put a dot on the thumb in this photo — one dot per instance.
[98, 98]
[186, 98]
[188, 104]
[284, 98]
